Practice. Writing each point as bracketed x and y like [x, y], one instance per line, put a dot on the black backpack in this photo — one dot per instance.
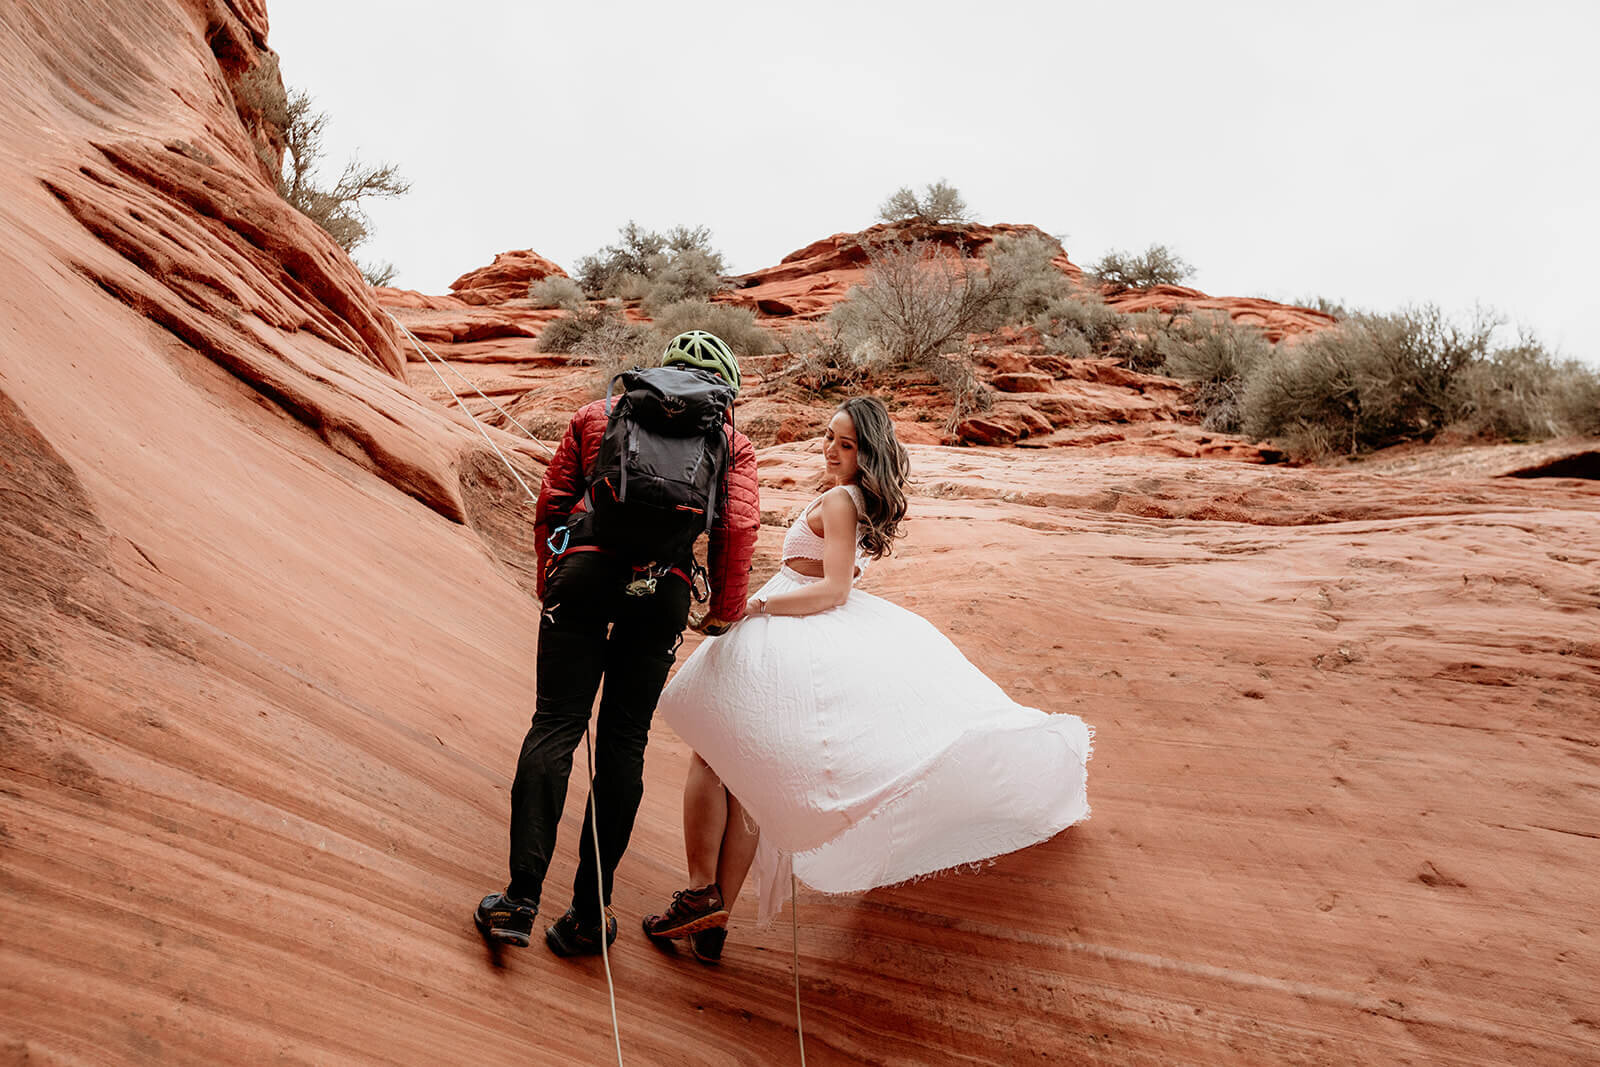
[655, 484]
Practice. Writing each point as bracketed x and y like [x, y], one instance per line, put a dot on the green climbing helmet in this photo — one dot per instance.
[707, 351]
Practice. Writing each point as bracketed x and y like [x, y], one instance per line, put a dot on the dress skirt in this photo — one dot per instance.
[869, 750]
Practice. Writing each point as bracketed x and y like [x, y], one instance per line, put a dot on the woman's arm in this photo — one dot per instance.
[838, 563]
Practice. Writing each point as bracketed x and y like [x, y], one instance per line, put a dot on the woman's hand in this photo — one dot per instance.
[756, 605]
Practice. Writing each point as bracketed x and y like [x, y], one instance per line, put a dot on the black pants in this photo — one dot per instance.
[584, 599]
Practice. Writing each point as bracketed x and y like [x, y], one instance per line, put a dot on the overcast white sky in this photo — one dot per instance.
[1374, 153]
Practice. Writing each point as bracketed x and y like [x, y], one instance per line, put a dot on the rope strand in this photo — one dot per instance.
[420, 346]
[600, 886]
[588, 740]
[794, 913]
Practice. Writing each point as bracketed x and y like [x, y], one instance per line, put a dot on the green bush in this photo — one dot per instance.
[1078, 325]
[1156, 265]
[1373, 380]
[1032, 280]
[939, 203]
[556, 291]
[735, 325]
[1523, 393]
[681, 260]
[1214, 354]
[692, 274]
[569, 331]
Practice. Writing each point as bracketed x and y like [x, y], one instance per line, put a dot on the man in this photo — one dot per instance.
[617, 619]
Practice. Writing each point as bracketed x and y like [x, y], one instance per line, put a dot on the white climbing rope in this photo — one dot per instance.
[588, 741]
[424, 351]
[794, 913]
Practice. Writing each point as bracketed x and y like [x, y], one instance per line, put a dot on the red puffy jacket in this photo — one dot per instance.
[733, 535]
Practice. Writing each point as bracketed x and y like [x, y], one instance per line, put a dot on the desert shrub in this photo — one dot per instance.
[1216, 355]
[1137, 342]
[614, 346]
[681, 261]
[1034, 282]
[376, 274]
[692, 274]
[1156, 265]
[735, 325]
[337, 209]
[569, 331]
[1372, 381]
[1077, 325]
[1209, 346]
[919, 301]
[556, 291]
[819, 361]
[916, 309]
[1523, 393]
[1323, 304]
[940, 202]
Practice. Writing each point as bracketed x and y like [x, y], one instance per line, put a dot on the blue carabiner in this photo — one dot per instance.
[566, 538]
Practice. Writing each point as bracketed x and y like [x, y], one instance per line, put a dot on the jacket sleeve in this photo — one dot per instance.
[733, 537]
[563, 486]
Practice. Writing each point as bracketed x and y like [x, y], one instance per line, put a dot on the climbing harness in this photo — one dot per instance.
[699, 587]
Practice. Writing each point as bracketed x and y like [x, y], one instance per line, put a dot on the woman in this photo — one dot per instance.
[855, 736]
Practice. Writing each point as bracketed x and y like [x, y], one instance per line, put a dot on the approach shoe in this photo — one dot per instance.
[691, 911]
[707, 944]
[571, 936]
[505, 920]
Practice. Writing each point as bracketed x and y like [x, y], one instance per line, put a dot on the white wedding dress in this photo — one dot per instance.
[869, 750]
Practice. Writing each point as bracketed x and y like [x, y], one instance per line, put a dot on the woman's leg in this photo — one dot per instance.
[738, 849]
[705, 822]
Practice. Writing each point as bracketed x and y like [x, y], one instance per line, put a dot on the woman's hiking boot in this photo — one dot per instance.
[572, 936]
[691, 911]
[707, 944]
[505, 920]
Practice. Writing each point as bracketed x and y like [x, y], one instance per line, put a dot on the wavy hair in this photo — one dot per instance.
[882, 466]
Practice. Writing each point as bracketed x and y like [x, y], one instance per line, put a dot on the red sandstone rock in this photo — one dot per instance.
[410, 298]
[1277, 321]
[1022, 382]
[507, 278]
[266, 658]
[808, 282]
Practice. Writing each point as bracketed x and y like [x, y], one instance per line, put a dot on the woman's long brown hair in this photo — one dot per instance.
[882, 466]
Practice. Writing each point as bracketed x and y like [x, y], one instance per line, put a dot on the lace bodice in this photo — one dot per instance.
[801, 542]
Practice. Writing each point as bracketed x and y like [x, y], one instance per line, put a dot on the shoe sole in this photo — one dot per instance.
[500, 937]
[693, 926]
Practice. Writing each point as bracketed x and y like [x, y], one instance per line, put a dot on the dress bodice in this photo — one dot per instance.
[802, 542]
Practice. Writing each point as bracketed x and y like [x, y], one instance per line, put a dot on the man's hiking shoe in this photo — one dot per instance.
[691, 911]
[504, 920]
[707, 944]
[570, 936]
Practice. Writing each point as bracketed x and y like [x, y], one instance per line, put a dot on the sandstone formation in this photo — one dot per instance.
[507, 278]
[1277, 321]
[807, 283]
[266, 644]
